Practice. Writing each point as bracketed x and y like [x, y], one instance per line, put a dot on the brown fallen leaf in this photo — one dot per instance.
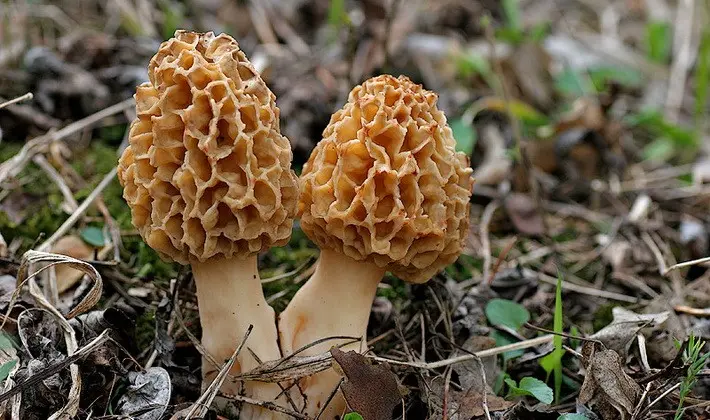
[370, 390]
[71, 246]
[523, 213]
[606, 385]
[619, 334]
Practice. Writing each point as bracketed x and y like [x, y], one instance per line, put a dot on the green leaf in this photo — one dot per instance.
[659, 40]
[353, 416]
[553, 361]
[465, 136]
[507, 313]
[702, 80]
[93, 236]
[659, 150]
[572, 417]
[6, 342]
[655, 122]
[472, 64]
[6, 368]
[503, 339]
[624, 76]
[519, 109]
[511, 8]
[570, 83]
[336, 13]
[532, 387]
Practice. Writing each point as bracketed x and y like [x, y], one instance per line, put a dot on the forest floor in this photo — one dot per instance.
[586, 123]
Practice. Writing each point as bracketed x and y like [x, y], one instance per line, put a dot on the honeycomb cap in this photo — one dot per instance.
[385, 183]
[207, 172]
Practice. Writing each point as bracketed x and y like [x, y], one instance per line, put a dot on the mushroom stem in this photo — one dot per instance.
[335, 301]
[230, 298]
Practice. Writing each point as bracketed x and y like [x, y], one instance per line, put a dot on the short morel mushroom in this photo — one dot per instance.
[208, 177]
[384, 190]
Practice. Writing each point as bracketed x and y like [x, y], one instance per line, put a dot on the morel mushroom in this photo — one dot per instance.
[384, 190]
[207, 176]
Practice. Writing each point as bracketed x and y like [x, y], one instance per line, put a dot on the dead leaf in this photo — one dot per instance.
[71, 246]
[530, 64]
[147, 396]
[462, 405]
[370, 390]
[618, 255]
[469, 372]
[18, 205]
[3, 247]
[619, 334]
[523, 213]
[496, 164]
[606, 385]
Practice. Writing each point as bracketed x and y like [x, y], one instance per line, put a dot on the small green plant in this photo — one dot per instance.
[337, 16]
[659, 41]
[532, 387]
[509, 314]
[553, 361]
[702, 80]
[695, 361]
[352, 416]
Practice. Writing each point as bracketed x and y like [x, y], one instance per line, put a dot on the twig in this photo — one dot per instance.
[501, 258]
[445, 398]
[79, 211]
[655, 251]
[485, 240]
[25, 97]
[662, 396]
[287, 274]
[571, 287]
[692, 311]
[639, 406]
[483, 353]
[210, 393]
[41, 161]
[266, 404]
[686, 264]
[330, 398]
[681, 62]
[14, 165]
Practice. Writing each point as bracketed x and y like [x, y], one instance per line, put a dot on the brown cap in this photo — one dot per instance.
[385, 184]
[207, 171]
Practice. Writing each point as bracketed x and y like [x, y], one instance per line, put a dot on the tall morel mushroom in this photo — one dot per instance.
[384, 190]
[207, 176]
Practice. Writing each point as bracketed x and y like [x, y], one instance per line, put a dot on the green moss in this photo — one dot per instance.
[145, 329]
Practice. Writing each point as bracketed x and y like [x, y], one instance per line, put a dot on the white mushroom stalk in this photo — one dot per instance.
[207, 176]
[384, 190]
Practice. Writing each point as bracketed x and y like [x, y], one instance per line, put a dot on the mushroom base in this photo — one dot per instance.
[335, 301]
[230, 298]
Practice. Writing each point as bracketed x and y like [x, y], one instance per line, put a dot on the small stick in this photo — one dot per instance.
[692, 311]
[25, 97]
[485, 240]
[662, 396]
[210, 393]
[571, 287]
[686, 264]
[639, 406]
[41, 161]
[79, 211]
[481, 354]
[501, 257]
